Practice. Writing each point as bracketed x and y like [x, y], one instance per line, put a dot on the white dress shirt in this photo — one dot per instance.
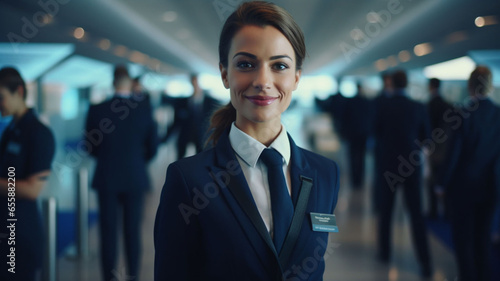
[248, 151]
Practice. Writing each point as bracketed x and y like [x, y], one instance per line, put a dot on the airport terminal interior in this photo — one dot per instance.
[67, 52]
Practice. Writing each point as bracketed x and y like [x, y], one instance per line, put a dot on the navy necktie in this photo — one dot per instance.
[281, 203]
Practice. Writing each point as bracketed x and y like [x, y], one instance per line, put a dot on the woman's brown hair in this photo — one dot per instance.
[258, 13]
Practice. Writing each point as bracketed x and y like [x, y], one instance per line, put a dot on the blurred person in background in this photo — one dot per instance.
[377, 103]
[358, 124]
[387, 89]
[334, 105]
[139, 94]
[399, 123]
[27, 149]
[191, 118]
[470, 177]
[437, 107]
[124, 139]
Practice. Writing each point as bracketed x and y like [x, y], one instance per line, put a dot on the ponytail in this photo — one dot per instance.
[220, 121]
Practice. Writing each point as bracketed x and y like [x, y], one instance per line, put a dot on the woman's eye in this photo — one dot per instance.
[280, 66]
[244, 65]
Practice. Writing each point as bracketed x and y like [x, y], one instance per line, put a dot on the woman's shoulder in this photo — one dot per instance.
[199, 160]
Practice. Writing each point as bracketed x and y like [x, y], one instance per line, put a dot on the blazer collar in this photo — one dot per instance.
[225, 154]
[226, 158]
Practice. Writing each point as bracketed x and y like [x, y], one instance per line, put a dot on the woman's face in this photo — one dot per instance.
[261, 74]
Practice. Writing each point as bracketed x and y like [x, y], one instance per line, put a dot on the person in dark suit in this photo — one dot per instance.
[27, 148]
[399, 124]
[123, 139]
[335, 106]
[191, 118]
[139, 95]
[358, 120]
[437, 108]
[470, 178]
[241, 210]
[387, 89]
[378, 104]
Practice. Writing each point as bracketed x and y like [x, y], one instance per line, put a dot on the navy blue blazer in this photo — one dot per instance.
[472, 172]
[209, 228]
[121, 134]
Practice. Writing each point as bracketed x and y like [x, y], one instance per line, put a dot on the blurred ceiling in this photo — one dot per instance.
[344, 37]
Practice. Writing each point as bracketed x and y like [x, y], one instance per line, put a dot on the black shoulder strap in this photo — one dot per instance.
[298, 218]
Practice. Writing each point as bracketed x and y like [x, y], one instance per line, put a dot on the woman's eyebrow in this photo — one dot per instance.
[245, 54]
[252, 56]
[280, 57]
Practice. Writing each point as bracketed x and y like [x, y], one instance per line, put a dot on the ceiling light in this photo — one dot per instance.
[404, 56]
[484, 21]
[422, 49]
[104, 44]
[120, 51]
[372, 17]
[47, 19]
[381, 65]
[392, 61]
[78, 33]
[479, 21]
[137, 57]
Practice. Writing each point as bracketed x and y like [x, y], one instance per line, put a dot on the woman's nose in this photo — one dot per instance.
[263, 79]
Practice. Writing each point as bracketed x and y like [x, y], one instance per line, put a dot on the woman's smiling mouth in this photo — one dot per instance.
[261, 100]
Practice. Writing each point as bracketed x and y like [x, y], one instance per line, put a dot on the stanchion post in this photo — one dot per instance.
[49, 271]
[82, 213]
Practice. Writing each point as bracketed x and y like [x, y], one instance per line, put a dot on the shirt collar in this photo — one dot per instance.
[249, 149]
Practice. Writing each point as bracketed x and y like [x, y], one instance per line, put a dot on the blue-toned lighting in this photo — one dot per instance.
[456, 69]
[348, 87]
[69, 104]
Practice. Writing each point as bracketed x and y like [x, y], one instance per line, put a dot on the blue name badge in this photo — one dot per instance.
[14, 148]
[324, 222]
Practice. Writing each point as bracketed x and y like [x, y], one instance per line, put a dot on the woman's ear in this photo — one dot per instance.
[298, 74]
[223, 75]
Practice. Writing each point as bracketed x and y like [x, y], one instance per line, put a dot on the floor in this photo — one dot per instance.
[352, 250]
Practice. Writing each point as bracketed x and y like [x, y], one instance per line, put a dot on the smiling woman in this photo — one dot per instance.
[238, 211]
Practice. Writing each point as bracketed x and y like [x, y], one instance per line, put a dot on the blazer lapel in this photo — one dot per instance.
[299, 168]
[235, 188]
[303, 179]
